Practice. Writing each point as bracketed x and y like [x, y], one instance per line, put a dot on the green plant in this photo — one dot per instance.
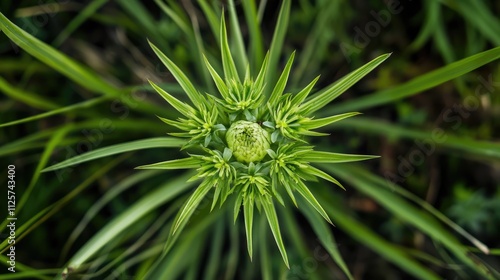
[64, 99]
[254, 145]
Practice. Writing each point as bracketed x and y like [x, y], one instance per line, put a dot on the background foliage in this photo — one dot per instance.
[74, 86]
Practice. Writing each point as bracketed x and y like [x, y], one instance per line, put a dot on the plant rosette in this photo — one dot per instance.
[254, 138]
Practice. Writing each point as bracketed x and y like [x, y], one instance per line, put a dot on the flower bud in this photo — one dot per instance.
[248, 141]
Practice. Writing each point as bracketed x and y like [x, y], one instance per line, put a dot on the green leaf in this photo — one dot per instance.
[230, 71]
[183, 163]
[181, 78]
[319, 173]
[317, 43]
[324, 97]
[103, 200]
[241, 55]
[265, 262]
[306, 193]
[432, 15]
[140, 17]
[211, 17]
[129, 217]
[182, 107]
[406, 211]
[190, 28]
[74, 70]
[480, 16]
[84, 104]
[259, 81]
[319, 156]
[326, 238]
[280, 85]
[313, 124]
[82, 16]
[369, 238]
[161, 142]
[288, 188]
[26, 97]
[419, 84]
[248, 207]
[191, 204]
[257, 47]
[276, 48]
[221, 86]
[272, 219]
[435, 137]
[299, 97]
[42, 161]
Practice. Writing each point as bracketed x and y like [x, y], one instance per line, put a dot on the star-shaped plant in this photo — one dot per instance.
[255, 145]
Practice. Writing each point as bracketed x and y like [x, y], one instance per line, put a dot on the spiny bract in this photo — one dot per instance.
[253, 138]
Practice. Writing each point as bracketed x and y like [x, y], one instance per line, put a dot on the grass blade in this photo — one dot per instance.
[319, 156]
[418, 84]
[276, 48]
[241, 59]
[324, 97]
[436, 137]
[127, 218]
[160, 142]
[26, 97]
[84, 104]
[87, 12]
[407, 212]
[72, 69]
[183, 163]
[375, 242]
[326, 238]
[256, 44]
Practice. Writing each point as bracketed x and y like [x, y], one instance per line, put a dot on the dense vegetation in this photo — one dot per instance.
[78, 115]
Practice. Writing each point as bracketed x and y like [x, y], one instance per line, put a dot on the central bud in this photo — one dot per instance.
[248, 141]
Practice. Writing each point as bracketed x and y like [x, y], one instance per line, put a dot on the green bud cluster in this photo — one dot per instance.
[248, 141]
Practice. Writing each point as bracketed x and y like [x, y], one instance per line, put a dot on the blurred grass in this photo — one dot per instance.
[87, 216]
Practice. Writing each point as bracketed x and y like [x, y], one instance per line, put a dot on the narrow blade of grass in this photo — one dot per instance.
[436, 137]
[87, 12]
[418, 84]
[276, 48]
[256, 44]
[241, 59]
[26, 97]
[160, 142]
[74, 70]
[84, 104]
[366, 236]
[319, 156]
[322, 230]
[407, 212]
[127, 218]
